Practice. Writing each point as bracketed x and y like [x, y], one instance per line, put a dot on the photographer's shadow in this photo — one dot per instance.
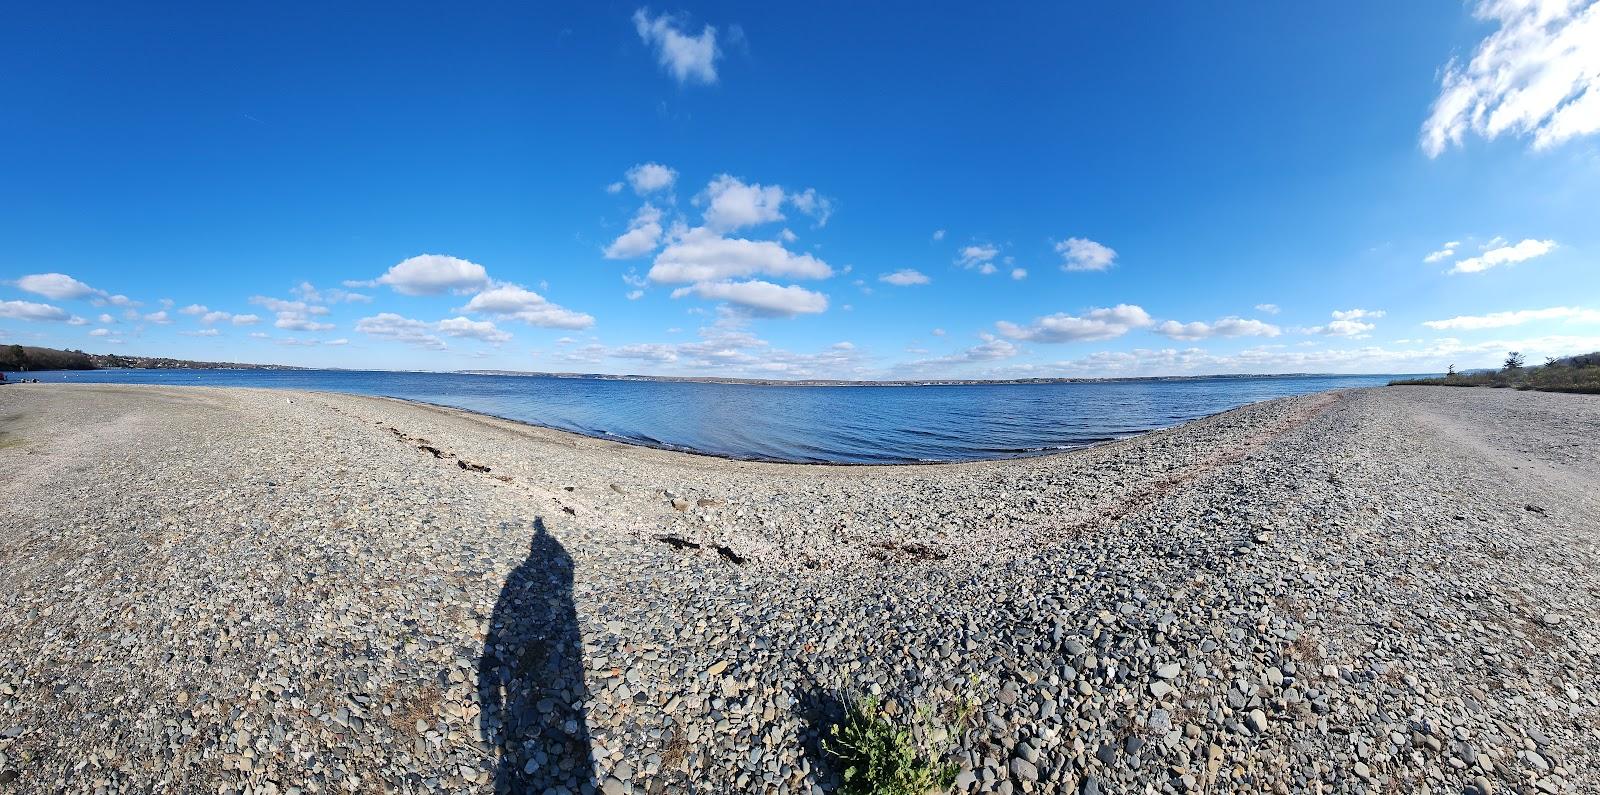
[530, 677]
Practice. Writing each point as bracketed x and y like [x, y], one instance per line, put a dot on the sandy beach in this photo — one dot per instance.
[238, 590]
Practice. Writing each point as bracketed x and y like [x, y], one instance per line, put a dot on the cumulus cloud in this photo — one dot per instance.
[432, 274]
[194, 309]
[689, 59]
[642, 237]
[1569, 314]
[77, 321]
[905, 277]
[763, 298]
[246, 320]
[938, 234]
[308, 292]
[1226, 327]
[160, 318]
[1346, 323]
[291, 315]
[1537, 76]
[703, 255]
[204, 332]
[519, 303]
[1504, 255]
[390, 326]
[28, 310]
[100, 332]
[1271, 309]
[1019, 273]
[295, 321]
[475, 329]
[58, 286]
[650, 177]
[1445, 252]
[1096, 324]
[731, 203]
[1083, 254]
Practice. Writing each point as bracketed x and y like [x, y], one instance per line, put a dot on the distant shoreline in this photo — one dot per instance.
[690, 379]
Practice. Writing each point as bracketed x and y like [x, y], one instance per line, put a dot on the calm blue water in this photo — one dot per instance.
[844, 424]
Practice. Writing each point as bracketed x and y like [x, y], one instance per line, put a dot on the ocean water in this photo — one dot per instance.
[831, 424]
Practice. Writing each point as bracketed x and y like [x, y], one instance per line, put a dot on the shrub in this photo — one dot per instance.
[880, 758]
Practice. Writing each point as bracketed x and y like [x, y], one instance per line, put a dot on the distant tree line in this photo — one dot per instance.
[22, 358]
[1567, 374]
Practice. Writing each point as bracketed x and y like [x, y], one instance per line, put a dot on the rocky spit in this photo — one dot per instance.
[250, 591]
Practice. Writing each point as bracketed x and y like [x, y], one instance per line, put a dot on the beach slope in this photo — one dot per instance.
[232, 590]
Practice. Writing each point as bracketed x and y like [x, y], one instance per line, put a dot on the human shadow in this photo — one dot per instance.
[530, 678]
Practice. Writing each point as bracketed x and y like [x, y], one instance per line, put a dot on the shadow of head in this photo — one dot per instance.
[530, 677]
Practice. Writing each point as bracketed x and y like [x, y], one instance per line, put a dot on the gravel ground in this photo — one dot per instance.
[230, 590]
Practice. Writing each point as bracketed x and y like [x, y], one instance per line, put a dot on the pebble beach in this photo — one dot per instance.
[230, 590]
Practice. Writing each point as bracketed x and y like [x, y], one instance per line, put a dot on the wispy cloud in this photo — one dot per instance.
[1537, 76]
[1504, 255]
[1569, 314]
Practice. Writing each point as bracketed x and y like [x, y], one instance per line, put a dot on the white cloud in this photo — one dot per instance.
[432, 274]
[106, 318]
[991, 349]
[194, 309]
[1346, 323]
[702, 255]
[1538, 75]
[1570, 314]
[1096, 324]
[339, 341]
[1445, 252]
[215, 317]
[28, 310]
[1226, 327]
[204, 332]
[764, 298]
[1083, 254]
[905, 277]
[976, 256]
[687, 58]
[388, 325]
[938, 234]
[510, 300]
[77, 321]
[295, 321]
[650, 177]
[280, 305]
[1504, 255]
[476, 329]
[732, 204]
[634, 295]
[1271, 309]
[245, 320]
[642, 237]
[58, 286]
[727, 349]
[813, 204]
[788, 235]
[160, 318]
[938, 332]
[1357, 314]
[615, 187]
[1019, 273]
[100, 332]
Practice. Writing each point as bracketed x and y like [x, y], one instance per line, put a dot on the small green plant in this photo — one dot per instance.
[880, 758]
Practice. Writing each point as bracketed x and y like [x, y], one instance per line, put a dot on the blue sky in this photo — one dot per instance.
[833, 191]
